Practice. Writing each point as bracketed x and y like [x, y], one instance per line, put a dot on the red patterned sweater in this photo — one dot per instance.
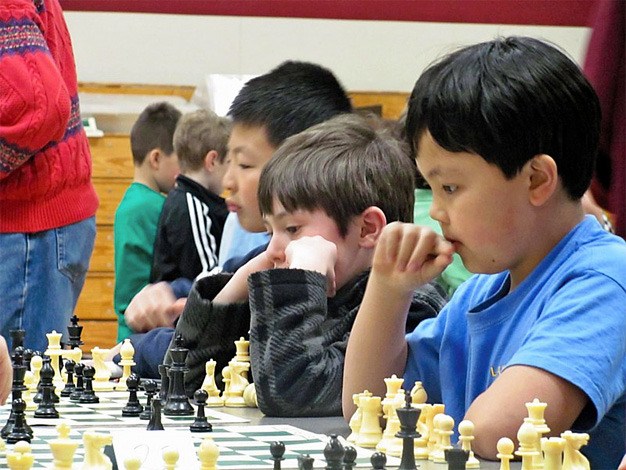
[45, 162]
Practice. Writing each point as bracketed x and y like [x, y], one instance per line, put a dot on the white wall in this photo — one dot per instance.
[365, 55]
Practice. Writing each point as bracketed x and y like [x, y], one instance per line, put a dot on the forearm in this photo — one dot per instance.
[377, 346]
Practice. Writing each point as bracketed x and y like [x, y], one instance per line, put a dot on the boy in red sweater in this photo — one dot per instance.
[47, 201]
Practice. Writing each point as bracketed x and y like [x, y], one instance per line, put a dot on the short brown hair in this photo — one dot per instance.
[197, 134]
[153, 129]
[342, 166]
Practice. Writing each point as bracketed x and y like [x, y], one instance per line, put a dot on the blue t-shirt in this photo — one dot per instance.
[567, 317]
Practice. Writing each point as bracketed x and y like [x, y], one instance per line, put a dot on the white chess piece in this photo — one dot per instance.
[102, 374]
[553, 452]
[392, 424]
[170, 458]
[238, 383]
[418, 393]
[36, 363]
[209, 385]
[433, 435]
[21, 458]
[466, 436]
[536, 410]
[573, 458]
[445, 427]
[357, 416]
[63, 448]
[527, 437]
[208, 453]
[132, 463]
[55, 352]
[370, 432]
[249, 396]
[505, 448]
[390, 444]
[95, 459]
[243, 347]
[127, 353]
[421, 443]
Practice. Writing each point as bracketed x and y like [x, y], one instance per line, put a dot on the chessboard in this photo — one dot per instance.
[241, 447]
[108, 413]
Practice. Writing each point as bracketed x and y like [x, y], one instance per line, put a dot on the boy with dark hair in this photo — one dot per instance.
[137, 215]
[505, 132]
[193, 216]
[257, 113]
[325, 195]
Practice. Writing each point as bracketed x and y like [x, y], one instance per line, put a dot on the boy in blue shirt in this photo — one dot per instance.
[505, 133]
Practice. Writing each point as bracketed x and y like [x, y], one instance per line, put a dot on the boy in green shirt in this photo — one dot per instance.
[137, 216]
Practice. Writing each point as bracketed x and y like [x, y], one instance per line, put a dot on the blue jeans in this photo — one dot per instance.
[41, 276]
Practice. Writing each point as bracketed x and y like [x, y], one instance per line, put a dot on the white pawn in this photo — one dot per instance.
[36, 363]
[170, 458]
[208, 453]
[553, 453]
[127, 353]
[466, 436]
[505, 448]
[445, 428]
[21, 458]
[132, 463]
[63, 448]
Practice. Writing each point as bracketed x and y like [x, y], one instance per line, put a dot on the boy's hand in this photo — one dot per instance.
[408, 256]
[236, 290]
[152, 307]
[314, 254]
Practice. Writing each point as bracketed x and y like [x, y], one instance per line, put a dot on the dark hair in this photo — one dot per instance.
[197, 133]
[289, 99]
[509, 100]
[342, 166]
[154, 128]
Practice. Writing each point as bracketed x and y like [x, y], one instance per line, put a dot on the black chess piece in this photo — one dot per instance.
[165, 382]
[349, 458]
[28, 355]
[74, 331]
[17, 338]
[20, 430]
[277, 450]
[305, 462]
[79, 388]
[19, 371]
[69, 383]
[408, 417]
[88, 395]
[46, 408]
[333, 453]
[177, 403]
[133, 406]
[200, 424]
[378, 461]
[47, 365]
[155, 417]
[150, 387]
[456, 458]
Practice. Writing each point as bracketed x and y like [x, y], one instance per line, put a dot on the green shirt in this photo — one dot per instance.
[455, 273]
[135, 226]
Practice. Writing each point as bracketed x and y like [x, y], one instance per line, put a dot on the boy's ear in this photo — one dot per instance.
[154, 157]
[543, 179]
[210, 160]
[373, 221]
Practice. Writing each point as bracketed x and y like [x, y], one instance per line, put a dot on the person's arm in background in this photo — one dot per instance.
[622, 466]
[6, 371]
[35, 105]
[157, 305]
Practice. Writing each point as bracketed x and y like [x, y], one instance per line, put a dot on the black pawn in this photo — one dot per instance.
[150, 387]
[69, 383]
[19, 431]
[378, 461]
[408, 417]
[45, 408]
[305, 462]
[88, 395]
[200, 424]
[155, 419]
[277, 449]
[349, 458]
[28, 355]
[456, 458]
[17, 338]
[79, 388]
[333, 453]
[133, 406]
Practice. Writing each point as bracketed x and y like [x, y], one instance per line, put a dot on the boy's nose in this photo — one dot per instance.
[276, 251]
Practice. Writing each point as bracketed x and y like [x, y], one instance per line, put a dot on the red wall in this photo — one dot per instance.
[523, 12]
